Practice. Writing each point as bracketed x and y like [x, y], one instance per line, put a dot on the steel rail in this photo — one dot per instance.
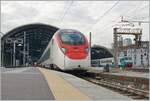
[117, 85]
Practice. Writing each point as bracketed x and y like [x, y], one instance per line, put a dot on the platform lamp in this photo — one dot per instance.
[20, 45]
[14, 41]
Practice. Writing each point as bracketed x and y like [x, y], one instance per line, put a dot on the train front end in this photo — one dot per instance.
[75, 48]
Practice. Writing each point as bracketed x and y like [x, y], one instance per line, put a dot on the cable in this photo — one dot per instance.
[132, 10]
[100, 18]
[65, 12]
[137, 8]
[129, 11]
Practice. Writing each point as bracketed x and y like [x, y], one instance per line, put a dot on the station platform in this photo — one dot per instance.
[68, 87]
[23, 83]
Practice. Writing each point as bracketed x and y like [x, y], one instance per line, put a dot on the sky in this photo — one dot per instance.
[97, 17]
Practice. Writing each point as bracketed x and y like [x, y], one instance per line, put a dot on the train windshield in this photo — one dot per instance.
[72, 38]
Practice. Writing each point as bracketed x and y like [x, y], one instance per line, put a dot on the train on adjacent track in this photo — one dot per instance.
[67, 50]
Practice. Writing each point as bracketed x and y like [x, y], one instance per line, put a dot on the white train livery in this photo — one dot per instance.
[67, 50]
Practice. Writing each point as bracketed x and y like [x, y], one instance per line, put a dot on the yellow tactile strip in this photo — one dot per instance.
[61, 89]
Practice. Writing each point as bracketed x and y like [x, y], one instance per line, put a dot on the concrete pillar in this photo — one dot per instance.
[115, 47]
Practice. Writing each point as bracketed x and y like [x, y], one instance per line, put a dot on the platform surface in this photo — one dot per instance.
[94, 92]
[43, 84]
[62, 89]
[24, 84]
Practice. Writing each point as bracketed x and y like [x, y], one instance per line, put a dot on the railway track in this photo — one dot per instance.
[146, 70]
[125, 88]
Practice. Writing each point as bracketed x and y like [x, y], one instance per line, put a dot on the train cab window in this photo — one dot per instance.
[72, 38]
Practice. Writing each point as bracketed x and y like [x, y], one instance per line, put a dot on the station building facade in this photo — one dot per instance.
[140, 55]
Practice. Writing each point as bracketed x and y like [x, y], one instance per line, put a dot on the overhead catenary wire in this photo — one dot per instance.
[130, 13]
[112, 24]
[66, 11]
[101, 17]
[138, 7]
[127, 12]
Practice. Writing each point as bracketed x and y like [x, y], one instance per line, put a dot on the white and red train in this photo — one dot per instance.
[67, 50]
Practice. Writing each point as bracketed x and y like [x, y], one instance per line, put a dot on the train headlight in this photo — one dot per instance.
[64, 50]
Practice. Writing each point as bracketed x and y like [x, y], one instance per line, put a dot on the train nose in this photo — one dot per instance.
[76, 52]
[76, 49]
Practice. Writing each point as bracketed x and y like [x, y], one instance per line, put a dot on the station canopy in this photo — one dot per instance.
[37, 37]
[99, 52]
